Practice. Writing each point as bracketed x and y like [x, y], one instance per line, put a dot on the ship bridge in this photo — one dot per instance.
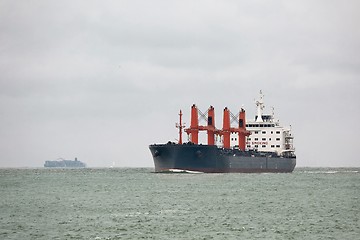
[267, 134]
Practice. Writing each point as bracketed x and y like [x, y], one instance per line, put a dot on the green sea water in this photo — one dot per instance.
[133, 203]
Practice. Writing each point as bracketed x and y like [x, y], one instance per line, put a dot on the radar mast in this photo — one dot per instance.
[260, 106]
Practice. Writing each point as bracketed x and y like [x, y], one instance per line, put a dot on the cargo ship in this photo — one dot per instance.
[254, 146]
[62, 163]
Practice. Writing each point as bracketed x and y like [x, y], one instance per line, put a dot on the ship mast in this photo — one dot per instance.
[180, 126]
[260, 106]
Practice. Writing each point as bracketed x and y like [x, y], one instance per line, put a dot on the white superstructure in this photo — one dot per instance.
[267, 135]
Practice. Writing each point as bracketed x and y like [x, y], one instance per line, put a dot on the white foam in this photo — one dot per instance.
[174, 170]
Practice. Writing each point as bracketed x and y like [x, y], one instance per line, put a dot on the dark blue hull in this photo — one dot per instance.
[211, 159]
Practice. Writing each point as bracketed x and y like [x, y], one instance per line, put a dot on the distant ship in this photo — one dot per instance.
[62, 163]
[259, 145]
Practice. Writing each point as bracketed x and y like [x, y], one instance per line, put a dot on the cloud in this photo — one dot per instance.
[99, 77]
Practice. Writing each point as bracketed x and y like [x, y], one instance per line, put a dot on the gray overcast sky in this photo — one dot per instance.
[101, 80]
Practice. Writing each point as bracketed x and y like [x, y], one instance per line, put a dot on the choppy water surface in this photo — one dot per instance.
[137, 203]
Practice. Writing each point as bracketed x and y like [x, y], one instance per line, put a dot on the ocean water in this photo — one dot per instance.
[125, 203]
